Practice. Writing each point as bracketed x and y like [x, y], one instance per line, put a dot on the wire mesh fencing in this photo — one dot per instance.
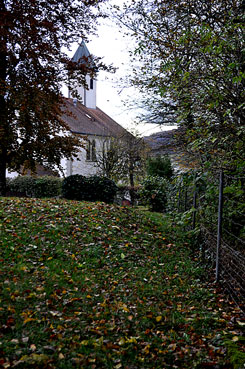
[215, 205]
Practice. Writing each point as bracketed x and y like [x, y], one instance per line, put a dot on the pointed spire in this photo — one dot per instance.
[82, 51]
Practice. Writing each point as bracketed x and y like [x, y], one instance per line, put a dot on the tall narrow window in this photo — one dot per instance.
[91, 151]
[88, 150]
[91, 83]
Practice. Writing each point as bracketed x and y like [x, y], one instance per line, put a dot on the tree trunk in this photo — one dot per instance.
[3, 107]
[2, 174]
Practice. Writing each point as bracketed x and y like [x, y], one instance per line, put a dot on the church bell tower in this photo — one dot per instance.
[87, 95]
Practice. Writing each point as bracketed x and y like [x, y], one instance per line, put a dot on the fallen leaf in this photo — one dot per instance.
[33, 347]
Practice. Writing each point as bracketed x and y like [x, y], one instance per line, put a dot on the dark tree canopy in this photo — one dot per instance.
[33, 67]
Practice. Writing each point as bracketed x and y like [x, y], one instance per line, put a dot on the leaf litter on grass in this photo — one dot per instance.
[99, 286]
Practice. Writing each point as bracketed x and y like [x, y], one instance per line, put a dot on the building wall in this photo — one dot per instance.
[83, 166]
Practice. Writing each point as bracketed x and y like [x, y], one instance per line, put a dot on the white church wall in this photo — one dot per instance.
[87, 97]
[83, 166]
[90, 95]
[11, 174]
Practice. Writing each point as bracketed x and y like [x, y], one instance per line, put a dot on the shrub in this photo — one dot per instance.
[73, 187]
[35, 187]
[95, 188]
[102, 189]
[47, 186]
[153, 193]
[159, 166]
[22, 186]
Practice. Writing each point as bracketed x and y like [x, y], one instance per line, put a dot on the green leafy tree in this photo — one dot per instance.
[189, 57]
[33, 67]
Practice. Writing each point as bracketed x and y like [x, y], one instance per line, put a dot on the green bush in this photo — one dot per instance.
[102, 189]
[95, 188]
[22, 186]
[35, 187]
[159, 166]
[153, 192]
[47, 186]
[74, 187]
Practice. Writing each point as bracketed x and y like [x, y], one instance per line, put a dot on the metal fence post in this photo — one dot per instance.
[179, 198]
[194, 205]
[185, 199]
[219, 230]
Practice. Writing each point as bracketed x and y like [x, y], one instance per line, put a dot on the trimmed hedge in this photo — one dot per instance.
[39, 187]
[95, 188]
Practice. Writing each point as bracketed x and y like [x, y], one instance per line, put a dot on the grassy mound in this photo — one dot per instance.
[99, 286]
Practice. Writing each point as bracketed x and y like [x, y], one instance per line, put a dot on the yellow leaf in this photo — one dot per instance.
[131, 340]
[34, 359]
[27, 320]
[121, 342]
[147, 349]
[158, 318]
[124, 307]
[235, 338]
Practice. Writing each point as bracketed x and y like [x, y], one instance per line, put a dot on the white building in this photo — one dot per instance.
[85, 119]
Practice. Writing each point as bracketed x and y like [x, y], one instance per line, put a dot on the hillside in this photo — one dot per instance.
[100, 286]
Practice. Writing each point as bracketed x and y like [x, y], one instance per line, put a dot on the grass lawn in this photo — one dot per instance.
[98, 286]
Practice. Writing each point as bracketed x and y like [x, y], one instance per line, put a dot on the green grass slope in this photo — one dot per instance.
[98, 286]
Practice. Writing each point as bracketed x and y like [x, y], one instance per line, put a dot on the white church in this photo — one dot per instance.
[85, 119]
[90, 121]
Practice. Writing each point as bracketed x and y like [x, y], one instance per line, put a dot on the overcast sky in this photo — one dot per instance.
[113, 47]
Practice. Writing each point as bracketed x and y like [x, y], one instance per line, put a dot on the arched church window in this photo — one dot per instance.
[91, 151]
[88, 150]
[91, 83]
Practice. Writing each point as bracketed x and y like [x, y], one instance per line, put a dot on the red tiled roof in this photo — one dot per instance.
[88, 121]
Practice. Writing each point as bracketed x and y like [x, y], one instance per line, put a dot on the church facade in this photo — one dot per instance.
[95, 127]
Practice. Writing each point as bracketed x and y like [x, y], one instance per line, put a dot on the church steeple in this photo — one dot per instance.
[82, 51]
[88, 96]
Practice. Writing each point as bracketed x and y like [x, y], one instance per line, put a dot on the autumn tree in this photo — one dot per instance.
[190, 59]
[33, 67]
